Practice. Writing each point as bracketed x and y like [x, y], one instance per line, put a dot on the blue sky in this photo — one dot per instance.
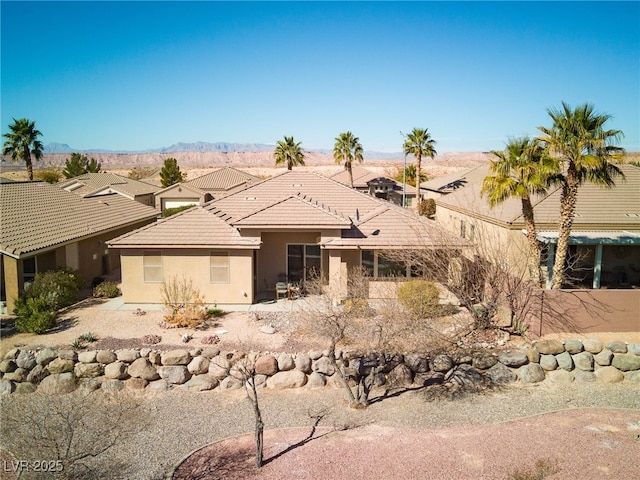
[139, 75]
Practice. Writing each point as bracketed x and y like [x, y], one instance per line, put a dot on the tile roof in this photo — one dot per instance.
[596, 208]
[223, 179]
[362, 177]
[94, 183]
[196, 227]
[37, 215]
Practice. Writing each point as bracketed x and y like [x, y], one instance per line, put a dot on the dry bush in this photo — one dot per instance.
[184, 302]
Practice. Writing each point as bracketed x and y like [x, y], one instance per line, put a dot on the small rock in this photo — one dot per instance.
[417, 363]
[88, 356]
[315, 354]
[268, 329]
[13, 354]
[266, 365]
[142, 368]
[26, 360]
[60, 365]
[548, 362]
[634, 348]
[127, 356]
[8, 366]
[583, 361]
[158, 385]
[285, 362]
[175, 357]
[200, 383]
[136, 383]
[210, 352]
[198, 365]
[442, 363]
[513, 358]
[68, 355]
[532, 354]
[155, 357]
[401, 376]
[18, 375]
[88, 370]
[316, 380]
[106, 356]
[324, 366]
[45, 356]
[174, 374]
[230, 383]
[116, 371]
[219, 366]
[37, 374]
[303, 363]
[565, 362]
[6, 387]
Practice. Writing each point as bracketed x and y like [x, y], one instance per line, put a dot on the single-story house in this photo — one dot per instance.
[104, 183]
[289, 228]
[366, 181]
[217, 184]
[604, 246]
[44, 227]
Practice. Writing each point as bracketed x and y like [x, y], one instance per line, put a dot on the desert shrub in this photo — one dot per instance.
[427, 207]
[106, 289]
[358, 307]
[215, 312]
[37, 306]
[184, 302]
[419, 297]
[167, 212]
[34, 315]
[49, 175]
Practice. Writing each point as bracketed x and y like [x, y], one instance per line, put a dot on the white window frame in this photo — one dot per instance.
[149, 268]
[223, 268]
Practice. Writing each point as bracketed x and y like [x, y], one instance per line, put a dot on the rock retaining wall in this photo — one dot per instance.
[63, 371]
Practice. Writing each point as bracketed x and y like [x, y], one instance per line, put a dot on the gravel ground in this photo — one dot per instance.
[181, 422]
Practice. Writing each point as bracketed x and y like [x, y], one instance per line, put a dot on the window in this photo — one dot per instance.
[219, 267]
[304, 262]
[379, 267]
[463, 229]
[152, 266]
[28, 271]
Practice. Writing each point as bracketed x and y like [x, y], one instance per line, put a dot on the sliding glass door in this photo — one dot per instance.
[303, 262]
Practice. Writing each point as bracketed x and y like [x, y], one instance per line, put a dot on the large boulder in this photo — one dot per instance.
[60, 365]
[592, 345]
[303, 363]
[106, 356]
[617, 347]
[442, 363]
[549, 347]
[45, 356]
[604, 358]
[626, 362]
[266, 365]
[285, 362]
[128, 355]
[198, 366]
[324, 366]
[501, 374]
[175, 357]
[513, 358]
[219, 366]
[200, 383]
[26, 360]
[142, 368]
[88, 370]
[58, 383]
[609, 375]
[174, 374]
[116, 371]
[548, 362]
[484, 361]
[88, 356]
[288, 379]
[565, 362]
[531, 373]
[573, 346]
[583, 361]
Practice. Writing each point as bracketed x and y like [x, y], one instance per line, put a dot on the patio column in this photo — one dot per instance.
[551, 257]
[337, 276]
[597, 267]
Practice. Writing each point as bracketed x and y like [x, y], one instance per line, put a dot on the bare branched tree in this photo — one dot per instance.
[72, 429]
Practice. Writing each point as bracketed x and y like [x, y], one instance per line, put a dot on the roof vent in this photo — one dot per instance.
[357, 215]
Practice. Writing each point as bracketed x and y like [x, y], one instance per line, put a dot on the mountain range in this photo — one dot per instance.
[181, 147]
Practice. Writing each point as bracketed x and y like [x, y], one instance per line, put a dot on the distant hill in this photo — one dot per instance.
[175, 148]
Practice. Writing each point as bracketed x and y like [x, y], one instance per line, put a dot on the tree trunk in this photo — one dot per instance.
[350, 174]
[27, 160]
[418, 168]
[259, 430]
[567, 212]
[534, 249]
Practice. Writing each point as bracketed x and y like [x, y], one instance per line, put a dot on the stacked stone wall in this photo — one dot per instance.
[199, 369]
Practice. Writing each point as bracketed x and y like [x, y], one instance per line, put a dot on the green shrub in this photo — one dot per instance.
[215, 312]
[419, 297]
[37, 306]
[106, 289]
[167, 212]
[33, 315]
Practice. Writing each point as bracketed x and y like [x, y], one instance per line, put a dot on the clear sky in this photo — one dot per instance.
[139, 75]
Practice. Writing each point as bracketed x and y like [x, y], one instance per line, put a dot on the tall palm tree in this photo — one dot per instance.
[347, 149]
[419, 143]
[288, 153]
[523, 169]
[23, 141]
[585, 150]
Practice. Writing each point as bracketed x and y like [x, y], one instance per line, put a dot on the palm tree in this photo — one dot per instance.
[585, 150]
[289, 153]
[22, 141]
[419, 143]
[347, 149]
[523, 169]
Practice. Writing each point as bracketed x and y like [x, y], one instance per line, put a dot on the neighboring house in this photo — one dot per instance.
[366, 181]
[44, 227]
[201, 190]
[103, 183]
[291, 227]
[605, 239]
[441, 186]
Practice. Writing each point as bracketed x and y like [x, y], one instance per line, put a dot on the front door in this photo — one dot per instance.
[303, 262]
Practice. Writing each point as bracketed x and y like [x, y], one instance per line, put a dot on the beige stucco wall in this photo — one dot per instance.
[193, 264]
